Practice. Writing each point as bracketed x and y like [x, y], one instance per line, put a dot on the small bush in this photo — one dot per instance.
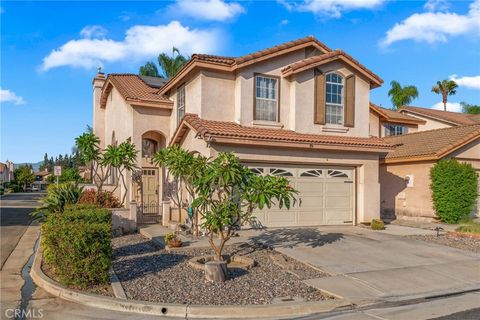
[377, 224]
[104, 199]
[58, 196]
[454, 189]
[77, 246]
[469, 227]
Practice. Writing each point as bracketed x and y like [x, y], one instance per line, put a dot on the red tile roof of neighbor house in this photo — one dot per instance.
[395, 116]
[455, 118]
[316, 61]
[431, 144]
[133, 89]
[231, 132]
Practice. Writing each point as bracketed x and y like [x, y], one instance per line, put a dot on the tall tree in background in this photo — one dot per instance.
[24, 176]
[401, 96]
[445, 88]
[470, 108]
[149, 69]
[169, 65]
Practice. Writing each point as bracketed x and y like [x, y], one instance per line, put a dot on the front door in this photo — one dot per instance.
[150, 205]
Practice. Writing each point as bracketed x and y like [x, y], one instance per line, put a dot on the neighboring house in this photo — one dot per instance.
[437, 119]
[386, 122]
[6, 172]
[299, 110]
[40, 182]
[405, 172]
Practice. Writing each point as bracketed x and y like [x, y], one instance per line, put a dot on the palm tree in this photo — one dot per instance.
[171, 65]
[401, 96]
[445, 88]
[149, 69]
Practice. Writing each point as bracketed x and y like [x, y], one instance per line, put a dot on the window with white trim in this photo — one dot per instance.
[394, 129]
[266, 98]
[180, 103]
[334, 98]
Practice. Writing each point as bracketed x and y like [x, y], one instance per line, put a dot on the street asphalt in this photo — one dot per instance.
[15, 209]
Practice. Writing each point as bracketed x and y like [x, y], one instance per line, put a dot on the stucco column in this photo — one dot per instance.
[165, 213]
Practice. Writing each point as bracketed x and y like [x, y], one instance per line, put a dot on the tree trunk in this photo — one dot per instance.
[216, 271]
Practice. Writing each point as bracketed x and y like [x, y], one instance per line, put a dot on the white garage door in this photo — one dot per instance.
[326, 196]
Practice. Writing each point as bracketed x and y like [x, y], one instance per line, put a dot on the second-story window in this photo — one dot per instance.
[394, 130]
[180, 103]
[266, 98]
[334, 101]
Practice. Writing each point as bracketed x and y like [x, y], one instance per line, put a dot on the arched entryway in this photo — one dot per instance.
[151, 191]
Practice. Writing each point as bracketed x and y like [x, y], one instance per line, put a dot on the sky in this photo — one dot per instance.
[50, 51]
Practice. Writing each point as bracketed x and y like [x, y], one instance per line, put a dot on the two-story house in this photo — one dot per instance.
[299, 110]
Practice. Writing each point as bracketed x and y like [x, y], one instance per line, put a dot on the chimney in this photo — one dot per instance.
[98, 113]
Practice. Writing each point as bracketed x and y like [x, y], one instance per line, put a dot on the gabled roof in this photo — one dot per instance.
[431, 144]
[319, 60]
[454, 118]
[134, 90]
[392, 116]
[234, 133]
[230, 64]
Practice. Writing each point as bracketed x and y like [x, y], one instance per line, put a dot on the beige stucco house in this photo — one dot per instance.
[299, 110]
[405, 172]
[437, 119]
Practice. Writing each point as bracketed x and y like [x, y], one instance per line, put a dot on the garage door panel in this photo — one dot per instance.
[326, 196]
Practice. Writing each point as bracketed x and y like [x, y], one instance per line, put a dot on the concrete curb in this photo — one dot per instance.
[280, 310]
[116, 285]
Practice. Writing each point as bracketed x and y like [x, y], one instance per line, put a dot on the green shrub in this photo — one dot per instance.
[58, 196]
[377, 224]
[77, 246]
[454, 189]
[87, 214]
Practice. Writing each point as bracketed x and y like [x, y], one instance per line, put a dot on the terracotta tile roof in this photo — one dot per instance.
[231, 63]
[395, 116]
[314, 61]
[132, 88]
[208, 129]
[432, 144]
[455, 118]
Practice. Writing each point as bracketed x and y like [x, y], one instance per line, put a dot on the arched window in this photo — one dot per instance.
[149, 147]
[334, 98]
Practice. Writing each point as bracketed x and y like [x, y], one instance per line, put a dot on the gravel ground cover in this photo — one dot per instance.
[468, 244]
[150, 273]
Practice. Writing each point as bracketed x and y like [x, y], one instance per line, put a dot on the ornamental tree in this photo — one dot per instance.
[228, 193]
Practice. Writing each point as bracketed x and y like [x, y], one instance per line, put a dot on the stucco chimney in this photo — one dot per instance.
[98, 113]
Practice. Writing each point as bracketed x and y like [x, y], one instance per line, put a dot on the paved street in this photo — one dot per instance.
[15, 212]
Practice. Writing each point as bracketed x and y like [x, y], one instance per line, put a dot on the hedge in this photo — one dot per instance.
[77, 246]
[454, 189]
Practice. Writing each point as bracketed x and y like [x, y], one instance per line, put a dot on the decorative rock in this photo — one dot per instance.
[216, 271]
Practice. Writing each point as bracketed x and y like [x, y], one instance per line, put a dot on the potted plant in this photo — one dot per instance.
[172, 240]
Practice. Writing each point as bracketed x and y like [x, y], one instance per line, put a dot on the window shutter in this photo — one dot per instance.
[349, 101]
[319, 115]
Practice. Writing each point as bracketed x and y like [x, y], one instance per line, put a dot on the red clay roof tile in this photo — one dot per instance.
[456, 118]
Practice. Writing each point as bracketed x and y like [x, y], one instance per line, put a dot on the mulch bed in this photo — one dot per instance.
[150, 273]
[102, 289]
[454, 241]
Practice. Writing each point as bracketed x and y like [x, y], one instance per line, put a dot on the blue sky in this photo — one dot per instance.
[50, 50]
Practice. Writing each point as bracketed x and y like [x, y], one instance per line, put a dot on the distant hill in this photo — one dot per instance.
[35, 166]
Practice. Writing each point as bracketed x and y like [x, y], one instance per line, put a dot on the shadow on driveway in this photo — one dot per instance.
[292, 237]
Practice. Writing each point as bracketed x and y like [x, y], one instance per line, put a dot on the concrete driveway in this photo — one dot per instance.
[372, 266]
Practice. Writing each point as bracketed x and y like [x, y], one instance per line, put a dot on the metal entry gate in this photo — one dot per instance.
[150, 212]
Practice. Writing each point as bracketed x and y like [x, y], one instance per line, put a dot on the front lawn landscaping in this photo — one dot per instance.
[469, 227]
[148, 272]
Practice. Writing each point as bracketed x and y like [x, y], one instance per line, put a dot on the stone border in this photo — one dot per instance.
[290, 309]
[196, 263]
[463, 235]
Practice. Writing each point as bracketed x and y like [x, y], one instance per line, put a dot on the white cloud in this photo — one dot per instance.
[436, 5]
[9, 96]
[451, 106]
[468, 82]
[284, 22]
[93, 32]
[216, 10]
[140, 42]
[332, 8]
[433, 27]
